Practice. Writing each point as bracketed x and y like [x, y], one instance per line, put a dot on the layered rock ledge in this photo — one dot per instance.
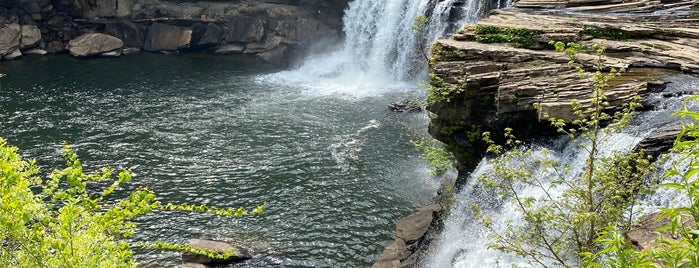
[496, 70]
[275, 31]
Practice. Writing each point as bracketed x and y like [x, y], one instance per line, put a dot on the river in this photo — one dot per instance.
[336, 169]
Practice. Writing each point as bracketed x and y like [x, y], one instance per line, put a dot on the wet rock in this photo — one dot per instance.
[167, 37]
[236, 253]
[409, 233]
[93, 44]
[658, 143]
[276, 56]
[36, 51]
[213, 34]
[13, 54]
[193, 265]
[405, 106]
[415, 225]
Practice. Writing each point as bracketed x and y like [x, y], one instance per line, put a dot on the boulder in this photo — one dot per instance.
[129, 32]
[236, 253]
[167, 37]
[277, 56]
[414, 226]
[10, 36]
[35, 51]
[93, 44]
[31, 35]
[212, 35]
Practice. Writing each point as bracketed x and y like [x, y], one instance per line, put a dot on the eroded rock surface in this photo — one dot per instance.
[498, 69]
[93, 44]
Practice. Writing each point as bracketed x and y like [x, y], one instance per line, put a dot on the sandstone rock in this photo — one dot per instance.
[276, 56]
[10, 36]
[237, 253]
[230, 49]
[129, 32]
[13, 54]
[31, 35]
[415, 225]
[167, 37]
[213, 34]
[93, 44]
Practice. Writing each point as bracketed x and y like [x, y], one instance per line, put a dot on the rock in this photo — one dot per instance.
[237, 253]
[246, 29]
[31, 35]
[213, 35]
[36, 51]
[405, 107]
[193, 265]
[129, 32]
[130, 50]
[55, 46]
[115, 53]
[167, 37]
[415, 225]
[276, 56]
[93, 44]
[658, 143]
[15, 53]
[10, 36]
[230, 49]
[645, 235]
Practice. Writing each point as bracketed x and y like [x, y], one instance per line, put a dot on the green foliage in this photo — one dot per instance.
[559, 227]
[58, 222]
[435, 153]
[419, 24]
[438, 91]
[519, 37]
[613, 34]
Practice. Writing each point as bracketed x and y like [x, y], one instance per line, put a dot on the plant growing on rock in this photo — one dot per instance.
[62, 221]
[571, 209]
[435, 153]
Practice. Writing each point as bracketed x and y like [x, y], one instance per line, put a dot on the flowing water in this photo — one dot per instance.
[463, 243]
[316, 143]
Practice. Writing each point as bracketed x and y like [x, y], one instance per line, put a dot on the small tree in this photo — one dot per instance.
[58, 222]
[573, 208]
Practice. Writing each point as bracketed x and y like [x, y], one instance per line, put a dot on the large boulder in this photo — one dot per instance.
[93, 44]
[31, 35]
[10, 36]
[236, 253]
[167, 37]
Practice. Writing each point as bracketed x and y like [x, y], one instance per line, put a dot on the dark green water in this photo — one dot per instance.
[336, 170]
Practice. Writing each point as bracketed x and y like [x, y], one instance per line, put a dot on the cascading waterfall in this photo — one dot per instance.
[464, 241]
[380, 49]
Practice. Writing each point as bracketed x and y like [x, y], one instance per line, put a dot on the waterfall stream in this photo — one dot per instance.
[380, 52]
[464, 242]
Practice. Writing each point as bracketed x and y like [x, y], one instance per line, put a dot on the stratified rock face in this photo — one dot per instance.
[93, 44]
[167, 37]
[499, 68]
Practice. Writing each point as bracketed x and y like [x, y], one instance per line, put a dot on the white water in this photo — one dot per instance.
[379, 51]
[464, 242]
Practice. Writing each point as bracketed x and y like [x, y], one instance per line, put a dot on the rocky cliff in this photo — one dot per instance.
[273, 30]
[492, 73]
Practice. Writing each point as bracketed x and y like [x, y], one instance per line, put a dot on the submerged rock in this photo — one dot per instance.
[405, 106]
[236, 253]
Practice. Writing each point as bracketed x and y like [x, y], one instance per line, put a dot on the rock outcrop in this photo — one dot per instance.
[274, 30]
[235, 253]
[497, 70]
[93, 44]
[409, 234]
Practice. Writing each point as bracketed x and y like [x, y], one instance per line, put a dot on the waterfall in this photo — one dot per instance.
[380, 49]
[464, 242]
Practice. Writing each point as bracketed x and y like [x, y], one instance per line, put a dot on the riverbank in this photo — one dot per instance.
[278, 32]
